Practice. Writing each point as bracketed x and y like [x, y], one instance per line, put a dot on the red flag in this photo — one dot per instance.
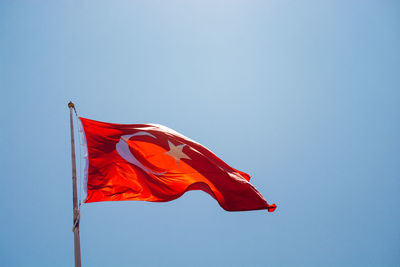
[154, 163]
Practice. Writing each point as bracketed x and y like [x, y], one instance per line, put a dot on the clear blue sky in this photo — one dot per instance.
[303, 95]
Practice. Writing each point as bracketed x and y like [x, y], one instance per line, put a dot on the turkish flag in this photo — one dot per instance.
[154, 163]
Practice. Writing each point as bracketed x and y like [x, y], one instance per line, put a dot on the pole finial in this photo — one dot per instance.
[71, 105]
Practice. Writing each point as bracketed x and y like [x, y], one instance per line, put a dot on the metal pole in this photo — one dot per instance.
[75, 229]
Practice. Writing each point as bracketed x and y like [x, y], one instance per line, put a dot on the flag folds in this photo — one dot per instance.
[154, 163]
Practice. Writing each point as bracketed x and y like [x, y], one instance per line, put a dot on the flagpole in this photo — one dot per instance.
[75, 229]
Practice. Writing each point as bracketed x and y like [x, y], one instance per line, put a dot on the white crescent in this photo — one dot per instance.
[122, 148]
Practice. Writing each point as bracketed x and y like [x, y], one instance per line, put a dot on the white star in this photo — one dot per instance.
[176, 152]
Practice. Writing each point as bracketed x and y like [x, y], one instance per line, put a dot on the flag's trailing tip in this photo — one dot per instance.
[271, 208]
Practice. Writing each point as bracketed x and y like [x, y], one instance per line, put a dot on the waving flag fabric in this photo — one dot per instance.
[154, 163]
